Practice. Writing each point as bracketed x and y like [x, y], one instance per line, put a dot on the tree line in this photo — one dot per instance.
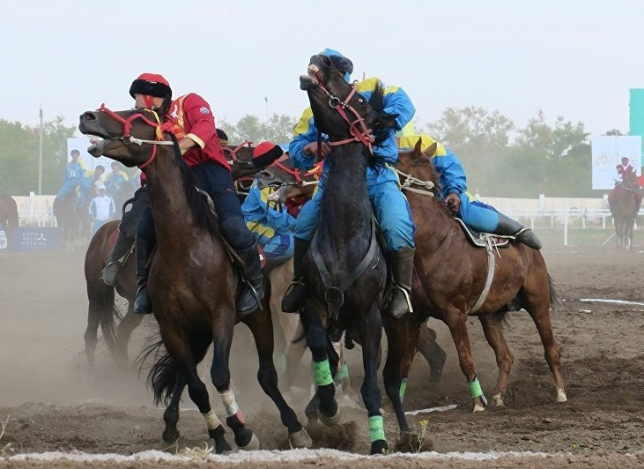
[500, 158]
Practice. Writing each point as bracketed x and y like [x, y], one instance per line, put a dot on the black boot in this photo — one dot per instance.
[295, 296]
[121, 248]
[142, 303]
[253, 291]
[509, 227]
[402, 270]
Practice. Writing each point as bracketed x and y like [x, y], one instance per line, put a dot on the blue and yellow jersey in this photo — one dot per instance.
[115, 180]
[396, 102]
[447, 164]
[74, 170]
[261, 216]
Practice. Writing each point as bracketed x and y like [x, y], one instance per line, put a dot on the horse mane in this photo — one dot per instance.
[197, 203]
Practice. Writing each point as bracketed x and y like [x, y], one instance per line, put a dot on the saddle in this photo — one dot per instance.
[483, 240]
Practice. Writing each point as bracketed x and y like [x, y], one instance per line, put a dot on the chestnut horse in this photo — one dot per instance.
[192, 283]
[102, 310]
[9, 220]
[345, 270]
[453, 274]
[624, 209]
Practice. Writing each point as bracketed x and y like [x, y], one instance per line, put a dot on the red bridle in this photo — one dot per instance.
[233, 153]
[160, 130]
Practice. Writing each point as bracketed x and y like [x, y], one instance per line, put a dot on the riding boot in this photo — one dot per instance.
[402, 270]
[295, 296]
[121, 248]
[142, 303]
[509, 227]
[253, 291]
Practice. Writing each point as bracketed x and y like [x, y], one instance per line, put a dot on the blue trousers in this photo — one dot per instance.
[477, 215]
[68, 187]
[278, 248]
[389, 203]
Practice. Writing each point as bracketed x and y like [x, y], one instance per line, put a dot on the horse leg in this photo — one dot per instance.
[295, 349]
[317, 339]
[124, 331]
[432, 352]
[94, 313]
[261, 327]
[171, 414]
[493, 330]
[455, 320]
[181, 351]
[540, 313]
[370, 334]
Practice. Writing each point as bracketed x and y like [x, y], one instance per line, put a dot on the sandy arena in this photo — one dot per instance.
[51, 401]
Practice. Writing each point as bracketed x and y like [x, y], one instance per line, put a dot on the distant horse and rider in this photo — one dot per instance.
[624, 202]
[9, 220]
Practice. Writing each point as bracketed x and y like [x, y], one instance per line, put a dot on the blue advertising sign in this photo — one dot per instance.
[37, 239]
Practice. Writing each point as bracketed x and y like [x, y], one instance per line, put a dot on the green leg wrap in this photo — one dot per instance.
[376, 428]
[403, 389]
[343, 373]
[475, 389]
[322, 373]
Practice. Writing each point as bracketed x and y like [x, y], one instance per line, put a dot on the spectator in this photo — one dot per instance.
[101, 209]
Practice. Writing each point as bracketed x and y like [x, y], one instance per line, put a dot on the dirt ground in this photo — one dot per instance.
[51, 401]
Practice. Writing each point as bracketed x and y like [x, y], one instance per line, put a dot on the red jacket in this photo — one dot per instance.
[193, 118]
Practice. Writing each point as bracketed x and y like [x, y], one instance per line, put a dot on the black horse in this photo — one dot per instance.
[345, 268]
[9, 220]
[72, 217]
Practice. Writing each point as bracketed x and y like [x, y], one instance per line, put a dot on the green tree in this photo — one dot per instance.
[278, 129]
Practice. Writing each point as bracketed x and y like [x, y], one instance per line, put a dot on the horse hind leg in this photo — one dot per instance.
[130, 321]
[493, 330]
[261, 327]
[432, 352]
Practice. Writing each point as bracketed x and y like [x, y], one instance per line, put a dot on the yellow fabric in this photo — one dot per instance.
[196, 139]
[260, 229]
[370, 84]
[302, 125]
[410, 141]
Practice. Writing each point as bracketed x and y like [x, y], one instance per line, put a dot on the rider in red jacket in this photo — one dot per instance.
[197, 136]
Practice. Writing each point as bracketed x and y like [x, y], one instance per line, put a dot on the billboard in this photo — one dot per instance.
[607, 153]
[82, 144]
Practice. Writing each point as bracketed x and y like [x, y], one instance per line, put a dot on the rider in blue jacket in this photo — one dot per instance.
[73, 173]
[390, 205]
[474, 213]
[271, 227]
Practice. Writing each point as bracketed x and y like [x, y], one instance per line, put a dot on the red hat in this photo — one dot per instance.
[265, 154]
[151, 84]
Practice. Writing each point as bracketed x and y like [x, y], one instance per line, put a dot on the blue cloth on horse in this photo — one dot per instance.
[271, 228]
[390, 204]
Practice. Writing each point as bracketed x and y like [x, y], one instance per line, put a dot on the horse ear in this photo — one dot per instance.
[417, 148]
[431, 151]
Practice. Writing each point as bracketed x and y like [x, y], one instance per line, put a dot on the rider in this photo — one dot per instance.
[115, 180]
[390, 205]
[272, 227]
[623, 172]
[475, 214]
[197, 135]
[90, 182]
[73, 174]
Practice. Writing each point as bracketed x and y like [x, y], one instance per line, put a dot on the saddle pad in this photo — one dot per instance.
[479, 239]
[113, 237]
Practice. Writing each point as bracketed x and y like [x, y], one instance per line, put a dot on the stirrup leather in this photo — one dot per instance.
[292, 285]
[410, 308]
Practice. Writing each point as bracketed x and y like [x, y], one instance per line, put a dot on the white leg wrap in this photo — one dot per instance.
[228, 398]
[211, 420]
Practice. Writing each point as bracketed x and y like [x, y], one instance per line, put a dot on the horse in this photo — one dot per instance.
[9, 220]
[73, 219]
[102, 310]
[624, 208]
[292, 184]
[192, 282]
[453, 280]
[345, 251]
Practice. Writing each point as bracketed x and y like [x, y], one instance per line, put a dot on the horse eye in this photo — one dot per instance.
[361, 101]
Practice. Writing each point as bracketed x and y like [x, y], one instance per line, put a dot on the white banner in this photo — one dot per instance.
[607, 153]
[82, 144]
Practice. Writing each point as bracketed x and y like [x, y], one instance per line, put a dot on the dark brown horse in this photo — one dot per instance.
[453, 273]
[9, 220]
[72, 218]
[102, 310]
[192, 283]
[624, 208]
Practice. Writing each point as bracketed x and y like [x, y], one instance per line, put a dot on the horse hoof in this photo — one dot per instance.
[170, 435]
[300, 439]
[561, 396]
[498, 400]
[252, 445]
[333, 420]
[379, 447]
[478, 408]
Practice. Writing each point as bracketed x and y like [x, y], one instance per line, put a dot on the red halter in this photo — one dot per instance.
[233, 153]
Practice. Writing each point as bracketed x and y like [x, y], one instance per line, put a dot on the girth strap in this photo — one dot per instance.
[490, 247]
[334, 296]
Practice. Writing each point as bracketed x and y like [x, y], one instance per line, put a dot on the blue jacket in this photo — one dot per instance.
[262, 217]
[74, 171]
[447, 164]
[396, 101]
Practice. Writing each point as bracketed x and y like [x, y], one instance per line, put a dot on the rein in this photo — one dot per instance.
[233, 152]
[160, 130]
[426, 186]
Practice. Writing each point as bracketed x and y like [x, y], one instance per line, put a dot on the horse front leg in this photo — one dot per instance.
[370, 335]
[493, 330]
[455, 320]
[317, 340]
[261, 327]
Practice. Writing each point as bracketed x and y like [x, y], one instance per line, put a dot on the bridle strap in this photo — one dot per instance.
[410, 181]
[233, 152]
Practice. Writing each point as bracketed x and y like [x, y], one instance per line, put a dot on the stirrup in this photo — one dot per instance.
[410, 308]
[292, 285]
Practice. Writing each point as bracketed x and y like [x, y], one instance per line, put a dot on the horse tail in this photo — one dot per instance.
[555, 300]
[163, 373]
[110, 318]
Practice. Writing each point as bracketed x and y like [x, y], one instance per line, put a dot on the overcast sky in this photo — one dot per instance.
[575, 58]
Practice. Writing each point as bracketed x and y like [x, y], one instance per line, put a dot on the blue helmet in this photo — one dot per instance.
[340, 62]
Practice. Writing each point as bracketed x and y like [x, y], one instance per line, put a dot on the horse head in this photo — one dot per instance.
[339, 110]
[630, 181]
[416, 169]
[125, 133]
[289, 180]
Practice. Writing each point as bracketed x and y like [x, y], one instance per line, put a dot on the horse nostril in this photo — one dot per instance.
[89, 116]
